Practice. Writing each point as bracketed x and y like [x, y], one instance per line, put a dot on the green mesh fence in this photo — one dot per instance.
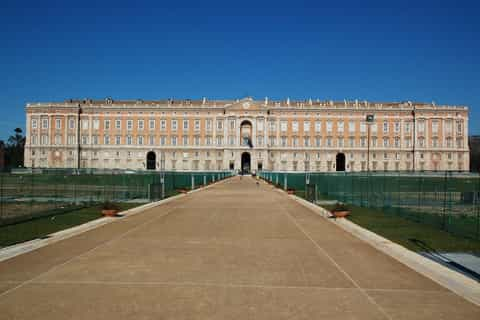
[449, 201]
[32, 195]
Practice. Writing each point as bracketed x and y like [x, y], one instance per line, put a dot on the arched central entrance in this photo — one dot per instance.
[151, 160]
[245, 163]
[340, 162]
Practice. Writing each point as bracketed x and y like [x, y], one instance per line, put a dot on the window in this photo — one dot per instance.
[58, 139]
[140, 140]
[208, 124]
[197, 125]
[96, 124]
[340, 126]
[435, 127]
[151, 140]
[397, 142]
[219, 140]
[118, 140]
[318, 126]
[44, 139]
[118, 124]
[163, 140]
[408, 142]
[151, 124]
[329, 141]
[449, 141]
[272, 140]
[106, 139]
[129, 140]
[34, 123]
[174, 140]
[197, 140]
[185, 140]
[95, 140]
[232, 124]
[363, 141]
[174, 125]
[84, 139]
[448, 126]
[106, 124]
[407, 127]
[58, 124]
[421, 126]
[435, 142]
[295, 126]
[397, 127]
[283, 126]
[385, 127]
[185, 124]
[363, 127]
[318, 141]
[306, 126]
[459, 143]
[45, 123]
[208, 141]
[373, 127]
[374, 141]
[163, 124]
[272, 125]
[329, 126]
[129, 124]
[306, 141]
[385, 142]
[283, 141]
[340, 142]
[140, 124]
[220, 124]
[71, 139]
[260, 140]
[260, 124]
[351, 142]
[421, 142]
[351, 126]
[460, 127]
[71, 123]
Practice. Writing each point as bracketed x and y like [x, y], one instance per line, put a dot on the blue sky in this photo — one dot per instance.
[374, 50]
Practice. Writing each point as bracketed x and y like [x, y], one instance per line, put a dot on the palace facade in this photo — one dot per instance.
[246, 134]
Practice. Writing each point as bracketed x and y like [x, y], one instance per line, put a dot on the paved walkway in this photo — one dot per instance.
[233, 251]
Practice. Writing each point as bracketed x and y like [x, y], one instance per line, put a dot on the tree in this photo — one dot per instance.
[14, 149]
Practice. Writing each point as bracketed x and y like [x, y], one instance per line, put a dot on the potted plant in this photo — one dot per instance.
[290, 191]
[109, 209]
[340, 210]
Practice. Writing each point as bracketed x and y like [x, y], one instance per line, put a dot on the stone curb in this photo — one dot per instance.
[450, 279]
[24, 247]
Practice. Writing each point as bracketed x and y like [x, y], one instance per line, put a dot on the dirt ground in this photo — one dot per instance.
[232, 251]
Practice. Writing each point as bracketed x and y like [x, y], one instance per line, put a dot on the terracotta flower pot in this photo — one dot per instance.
[109, 212]
[340, 214]
[182, 190]
[291, 191]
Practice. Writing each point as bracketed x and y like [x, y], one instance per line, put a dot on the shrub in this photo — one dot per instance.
[340, 207]
[108, 205]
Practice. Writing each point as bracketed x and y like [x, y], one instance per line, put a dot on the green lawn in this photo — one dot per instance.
[41, 227]
[401, 230]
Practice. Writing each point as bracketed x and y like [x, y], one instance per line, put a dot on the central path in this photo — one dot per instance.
[232, 251]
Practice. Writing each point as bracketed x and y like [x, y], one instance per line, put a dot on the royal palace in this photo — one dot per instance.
[247, 135]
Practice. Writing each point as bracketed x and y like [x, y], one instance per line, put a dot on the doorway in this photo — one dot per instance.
[151, 160]
[245, 163]
[340, 164]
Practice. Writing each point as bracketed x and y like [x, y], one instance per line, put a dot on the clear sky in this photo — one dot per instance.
[374, 50]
